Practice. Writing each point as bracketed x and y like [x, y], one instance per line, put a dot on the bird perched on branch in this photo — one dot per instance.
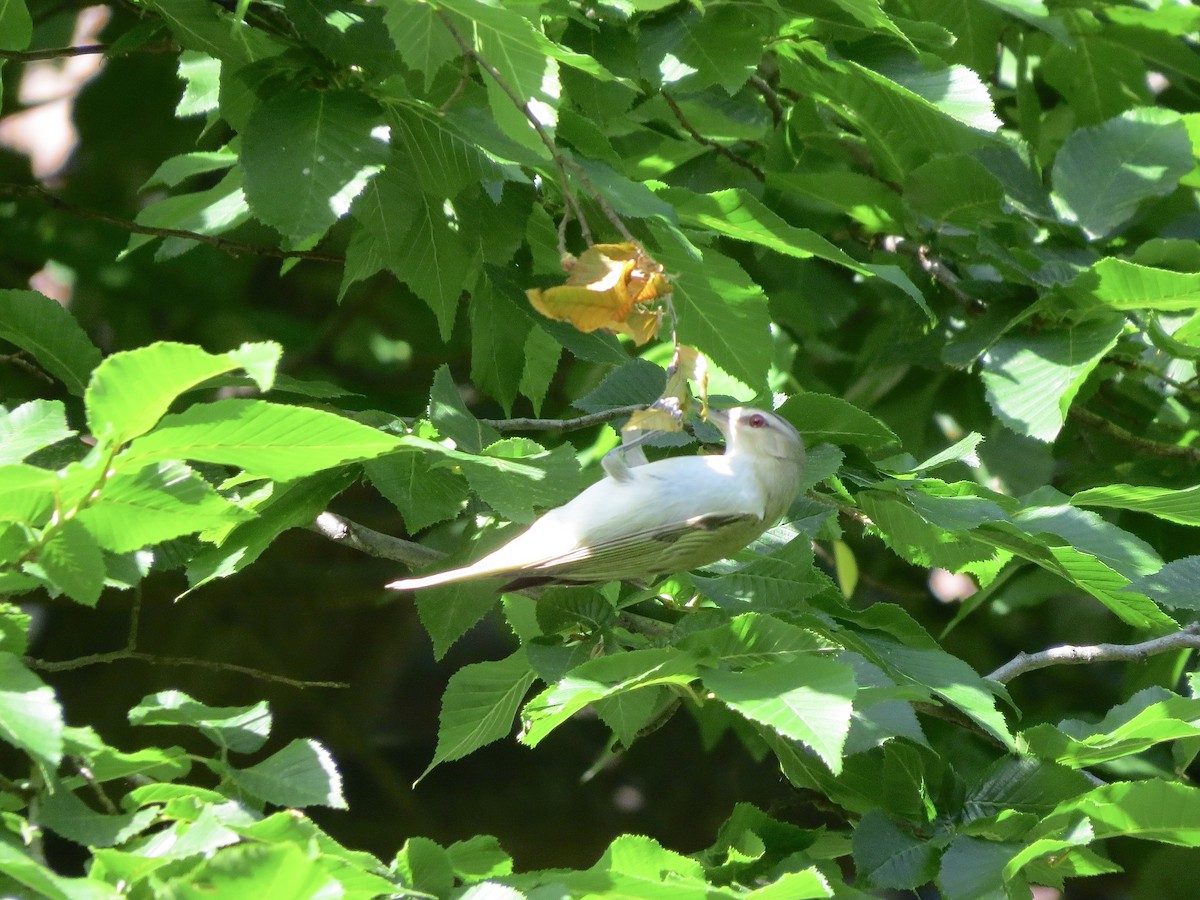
[660, 517]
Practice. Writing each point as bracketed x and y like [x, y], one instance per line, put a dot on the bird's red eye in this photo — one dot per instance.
[758, 420]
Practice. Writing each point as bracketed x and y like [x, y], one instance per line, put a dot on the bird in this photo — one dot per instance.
[656, 518]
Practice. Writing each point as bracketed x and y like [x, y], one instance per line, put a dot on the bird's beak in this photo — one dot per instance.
[720, 418]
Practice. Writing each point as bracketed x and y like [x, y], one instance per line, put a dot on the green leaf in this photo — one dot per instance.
[1102, 174]
[267, 439]
[26, 493]
[1031, 379]
[107, 763]
[350, 35]
[542, 355]
[301, 774]
[1177, 584]
[1151, 810]
[197, 25]
[291, 505]
[216, 210]
[68, 816]
[806, 699]
[440, 159]
[596, 679]
[1182, 506]
[637, 382]
[241, 729]
[955, 190]
[825, 418]
[130, 391]
[972, 868]
[1122, 285]
[177, 169]
[307, 154]
[431, 259]
[30, 427]
[16, 26]
[498, 333]
[753, 639]
[424, 43]
[888, 857]
[261, 871]
[516, 476]
[160, 502]
[23, 869]
[479, 705]
[1152, 716]
[30, 716]
[720, 45]
[45, 330]
[448, 611]
[424, 493]
[721, 310]
[71, 561]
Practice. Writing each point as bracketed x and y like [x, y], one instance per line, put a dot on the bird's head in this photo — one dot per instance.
[758, 433]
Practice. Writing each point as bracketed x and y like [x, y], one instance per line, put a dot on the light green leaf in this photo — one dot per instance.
[158, 503]
[66, 815]
[198, 25]
[262, 871]
[721, 311]
[1102, 174]
[16, 25]
[806, 699]
[1182, 506]
[516, 476]
[1032, 378]
[301, 774]
[106, 763]
[130, 391]
[30, 427]
[213, 211]
[307, 154]
[605, 676]
[43, 881]
[1122, 285]
[291, 505]
[241, 729]
[267, 439]
[44, 329]
[71, 561]
[177, 169]
[1152, 810]
[30, 716]
[26, 493]
[825, 418]
[479, 705]
[753, 639]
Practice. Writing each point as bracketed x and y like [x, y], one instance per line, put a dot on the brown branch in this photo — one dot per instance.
[1154, 448]
[934, 268]
[82, 50]
[709, 142]
[596, 418]
[19, 360]
[1070, 655]
[233, 248]
[373, 543]
[769, 96]
[80, 662]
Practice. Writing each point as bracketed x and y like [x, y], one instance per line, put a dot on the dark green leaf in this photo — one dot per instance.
[42, 328]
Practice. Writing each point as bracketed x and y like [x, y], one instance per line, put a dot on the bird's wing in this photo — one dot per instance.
[673, 547]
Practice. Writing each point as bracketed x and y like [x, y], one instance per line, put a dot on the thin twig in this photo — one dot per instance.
[709, 142]
[83, 50]
[771, 98]
[596, 418]
[1070, 655]
[19, 360]
[373, 543]
[1113, 430]
[80, 662]
[234, 248]
[934, 268]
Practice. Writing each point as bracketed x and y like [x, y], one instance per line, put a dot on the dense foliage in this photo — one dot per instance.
[281, 283]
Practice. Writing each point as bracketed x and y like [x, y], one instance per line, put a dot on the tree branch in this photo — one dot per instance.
[934, 268]
[373, 543]
[597, 418]
[233, 248]
[1071, 655]
[709, 142]
[1113, 430]
[80, 662]
[22, 56]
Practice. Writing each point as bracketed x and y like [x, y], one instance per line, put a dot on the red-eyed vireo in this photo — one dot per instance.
[660, 517]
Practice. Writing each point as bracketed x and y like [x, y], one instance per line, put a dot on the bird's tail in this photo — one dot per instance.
[414, 584]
